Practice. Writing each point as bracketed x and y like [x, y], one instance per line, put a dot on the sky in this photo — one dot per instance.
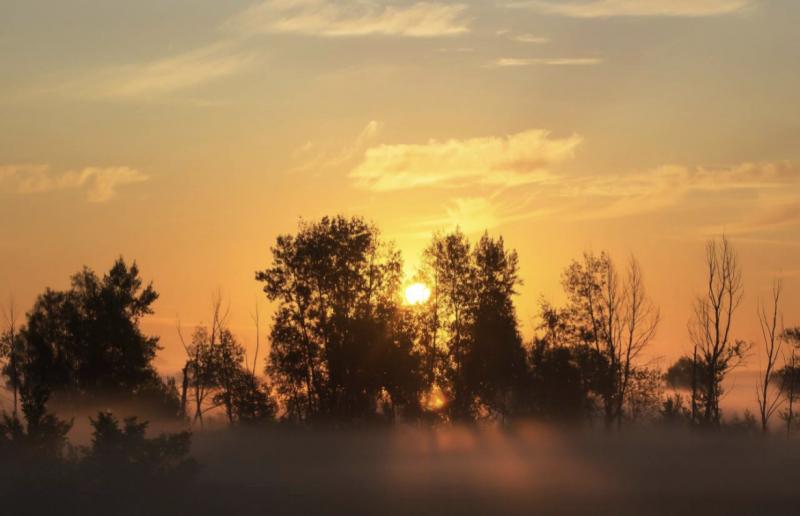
[188, 134]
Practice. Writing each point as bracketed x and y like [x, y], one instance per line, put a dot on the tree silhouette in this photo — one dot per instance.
[216, 374]
[42, 436]
[86, 341]
[449, 262]
[611, 315]
[10, 348]
[338, 322]
[715, 351]
[494, 366]
[772, 337]
[789, 377]
[124, 451]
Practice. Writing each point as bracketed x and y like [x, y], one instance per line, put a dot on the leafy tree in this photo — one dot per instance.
[86, 340]
[679, 375]
[788, 377]
[337, 325]
[645, 394]
[494, 367]
[124, 450]
[561, 381]
[41, 436]
[449, 264]
[250, 399]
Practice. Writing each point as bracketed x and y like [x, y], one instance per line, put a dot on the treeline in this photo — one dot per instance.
[346, 348]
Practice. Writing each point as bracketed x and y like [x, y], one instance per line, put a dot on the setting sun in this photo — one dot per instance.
[417, 294]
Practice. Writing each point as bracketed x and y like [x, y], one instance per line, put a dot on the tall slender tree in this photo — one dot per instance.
[715, 351]
[770, 322]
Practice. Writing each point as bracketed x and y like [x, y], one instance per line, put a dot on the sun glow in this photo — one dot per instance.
[417, 294]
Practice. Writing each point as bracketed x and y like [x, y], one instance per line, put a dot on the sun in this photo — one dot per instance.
[417, 294]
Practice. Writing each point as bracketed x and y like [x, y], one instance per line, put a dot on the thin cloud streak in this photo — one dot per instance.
[351, 18]
[98, 184]
[164, 76]
[507, 62]
[531, 38]
[316, 158]
[639, 8]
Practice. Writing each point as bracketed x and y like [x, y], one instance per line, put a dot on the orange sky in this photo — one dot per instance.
[188, 137]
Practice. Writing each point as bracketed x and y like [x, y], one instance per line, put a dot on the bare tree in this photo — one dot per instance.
[198, 372]
[637, 326]
[11, 336]
[715, 353]
[256, 316]
[772, 338]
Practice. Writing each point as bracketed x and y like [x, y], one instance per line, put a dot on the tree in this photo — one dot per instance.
[337, 322]
[494, 363]
[789, 376]
[123, 451]
[86, 341]
[448, 261]
[715, 351]
[562, 381]
[772, 338]
[645, 394]
[679, 375]
[41, 436]
[216, 374]
[612, 315]
[10, 346]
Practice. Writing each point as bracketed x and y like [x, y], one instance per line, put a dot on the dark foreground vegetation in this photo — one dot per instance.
[369, 404]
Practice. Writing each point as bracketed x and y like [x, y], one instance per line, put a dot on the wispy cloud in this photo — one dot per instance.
[479, 213]
[521, 158]
[641, 8]
[749, 186]
[756, 198]
[98, 184]
[344, 18]
[316, 157]
[507, 62]
[164, 76]
[531, 38]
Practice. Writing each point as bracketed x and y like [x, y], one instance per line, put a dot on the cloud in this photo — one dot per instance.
[316, 158]
[506, 62]
[98, 184]
[521, 158]
[749, 186]
[476, 214]
[166, 75]
[640, 8]
[751, 199]
[531, 38]
[345, 18]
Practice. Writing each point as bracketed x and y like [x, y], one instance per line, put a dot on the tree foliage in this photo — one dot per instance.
[339, 331]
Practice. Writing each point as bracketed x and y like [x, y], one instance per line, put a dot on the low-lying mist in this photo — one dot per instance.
[478, 470]
[526, 468]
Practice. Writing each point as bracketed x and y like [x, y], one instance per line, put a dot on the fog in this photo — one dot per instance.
[523, 470]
